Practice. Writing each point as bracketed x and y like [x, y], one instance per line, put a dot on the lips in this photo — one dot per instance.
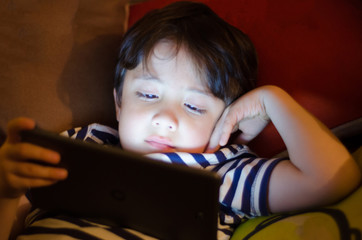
[160, 143]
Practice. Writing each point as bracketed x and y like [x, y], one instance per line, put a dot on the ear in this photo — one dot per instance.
[116, 104]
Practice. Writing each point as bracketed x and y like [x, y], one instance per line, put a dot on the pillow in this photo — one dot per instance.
[57, 61]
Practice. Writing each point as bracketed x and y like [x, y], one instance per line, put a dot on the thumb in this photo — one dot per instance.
[17, 125]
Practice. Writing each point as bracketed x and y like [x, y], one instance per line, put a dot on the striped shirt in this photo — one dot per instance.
[243, 192]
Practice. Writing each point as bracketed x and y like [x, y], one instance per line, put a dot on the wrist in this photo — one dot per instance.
[274, 99]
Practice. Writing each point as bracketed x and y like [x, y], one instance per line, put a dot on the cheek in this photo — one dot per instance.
[197, 137]
[129, 125]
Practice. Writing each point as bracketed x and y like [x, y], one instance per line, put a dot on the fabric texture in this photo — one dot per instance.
[243, 192]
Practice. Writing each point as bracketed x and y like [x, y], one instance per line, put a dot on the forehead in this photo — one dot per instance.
[168, 57]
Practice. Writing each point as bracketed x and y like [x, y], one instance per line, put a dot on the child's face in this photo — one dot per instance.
[166, 107]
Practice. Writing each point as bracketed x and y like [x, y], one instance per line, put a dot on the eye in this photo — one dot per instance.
[146, 96]
[194, 109]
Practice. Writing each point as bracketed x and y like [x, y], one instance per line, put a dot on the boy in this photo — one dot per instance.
[183, 84]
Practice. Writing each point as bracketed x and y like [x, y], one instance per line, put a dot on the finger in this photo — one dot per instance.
[223, 129]
[23, 175]
[216, 134]
[17, 125]
[22, 184]
[38, 172]
[214, 141]
[26, 151]
[251, 127]
[228, 126]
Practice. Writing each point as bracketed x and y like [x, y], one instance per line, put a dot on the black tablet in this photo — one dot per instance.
[167, 201]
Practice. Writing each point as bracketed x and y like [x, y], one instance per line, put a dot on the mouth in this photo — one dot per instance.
[160, 143]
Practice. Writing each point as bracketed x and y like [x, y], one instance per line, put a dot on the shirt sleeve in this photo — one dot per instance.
[245, 182]
[96, 133]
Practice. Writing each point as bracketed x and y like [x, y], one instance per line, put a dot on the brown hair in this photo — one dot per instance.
[223, 53]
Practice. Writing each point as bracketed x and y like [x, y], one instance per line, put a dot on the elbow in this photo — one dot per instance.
[353, 180]
[342, 183]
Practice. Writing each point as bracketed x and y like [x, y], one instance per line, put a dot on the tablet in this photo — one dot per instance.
[167, 201]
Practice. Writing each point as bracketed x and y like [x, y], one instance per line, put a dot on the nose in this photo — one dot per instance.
[165, 120]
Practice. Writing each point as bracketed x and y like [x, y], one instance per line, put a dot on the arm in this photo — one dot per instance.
[12, 215]
[17, 175]
[320, 170]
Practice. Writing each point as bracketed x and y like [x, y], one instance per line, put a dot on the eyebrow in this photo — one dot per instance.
[149, 77]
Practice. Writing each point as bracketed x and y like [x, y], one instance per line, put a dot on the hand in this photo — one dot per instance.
[246, 114]
[17, 174]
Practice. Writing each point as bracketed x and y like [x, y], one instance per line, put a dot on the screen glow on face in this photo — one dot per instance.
[165, 107]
